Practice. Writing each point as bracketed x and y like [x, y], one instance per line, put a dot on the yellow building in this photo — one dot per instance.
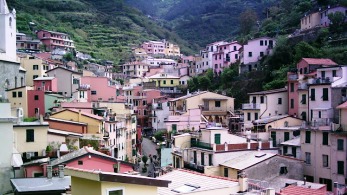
[165, 80]
[172, 49]
[18, 99]
[95, 123]
[34, 67]
[106, 183]
[30, 137]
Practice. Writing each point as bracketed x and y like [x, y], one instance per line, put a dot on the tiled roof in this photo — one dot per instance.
[78, 153]
[204, 182]
[319, 61]
[342, 106]
[82, 113]
[297, 190]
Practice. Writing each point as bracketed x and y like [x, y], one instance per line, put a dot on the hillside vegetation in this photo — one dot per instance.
[104, 28]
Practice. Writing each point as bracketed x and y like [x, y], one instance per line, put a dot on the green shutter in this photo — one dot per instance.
[313, 94]
[217, 138]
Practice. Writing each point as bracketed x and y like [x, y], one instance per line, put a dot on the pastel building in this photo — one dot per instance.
[55, 40]
[324, 15]
[26, 43]
[135, 69]
[34, 67]
[225, 55]
[30, 138]
[254, 51]
[18, 98]
[265, 104]
[166, 83]
[68, 80]
[310, 21]
[100, 88]
[154, 47]
[297, 84]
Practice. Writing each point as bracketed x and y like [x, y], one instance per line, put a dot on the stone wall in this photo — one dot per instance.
[9, 71]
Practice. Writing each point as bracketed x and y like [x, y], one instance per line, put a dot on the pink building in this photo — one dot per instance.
[27, 43]
[36, 103]
[254, 51]
[55, 40]
[225, 55]
[100, 88]
[46, 84]
[154, 47]
[306, 68]
[84, 158]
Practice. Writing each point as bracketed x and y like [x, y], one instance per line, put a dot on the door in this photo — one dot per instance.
[294, 151]
[273, 136]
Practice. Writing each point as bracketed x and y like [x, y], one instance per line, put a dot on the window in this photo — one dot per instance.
[226, 172]
[291, 87]
[323, 74]
[279, 101]
[202, 158]
[285, 150]
[20, 94]
[334, 73]
[171, 82]
[36, 97]
[35, 76]
[117, 191]
[283, 170]
[93, 92]
[164, 82]
[217, 104]
[30, 135]
[325, 160]
[210, 163]
[325, 94]
[291, 103]
[303, 99]
[236, 56]
[313, 94]
[325, 138]
[14, 94]
[234, 48]
[340, 167]
[217, 138]
[261, 54]
[273, 136]
[303, 116]
[249, 54]
[262, 99]
[340, 144]
[80, 162]
[35, 67]
[261, 42]
[286, 136]
[308, 158]
[248, 116]
[308, 137]
[194, 154]
[256, 116]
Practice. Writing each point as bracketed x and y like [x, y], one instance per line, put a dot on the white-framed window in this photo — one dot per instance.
[115, 191]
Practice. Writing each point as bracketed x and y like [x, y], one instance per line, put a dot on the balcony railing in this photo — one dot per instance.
[198, 144]
[292, 77]
[326, 80]
[302, 86]
[250, 106]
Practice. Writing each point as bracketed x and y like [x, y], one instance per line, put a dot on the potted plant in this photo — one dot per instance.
[49, 151]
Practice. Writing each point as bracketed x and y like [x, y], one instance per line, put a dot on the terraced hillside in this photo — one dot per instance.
[105, 29]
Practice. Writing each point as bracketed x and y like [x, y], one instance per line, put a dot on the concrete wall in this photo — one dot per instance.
[8, 72]
[84, 186]
[270, 168]
[6, 140]
[129, 188]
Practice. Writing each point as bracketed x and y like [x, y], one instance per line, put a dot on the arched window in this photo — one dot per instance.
[10, 21]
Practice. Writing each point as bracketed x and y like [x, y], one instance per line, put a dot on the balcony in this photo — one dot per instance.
[198, 144]
[317, 81]
[292, 77]
[251, 106]
[302, 86]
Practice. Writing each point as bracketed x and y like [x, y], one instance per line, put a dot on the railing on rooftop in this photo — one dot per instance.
[326, 80]
[250, 106]
[198, 144]
[292, 77]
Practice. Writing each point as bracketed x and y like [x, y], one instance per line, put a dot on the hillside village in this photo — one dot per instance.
[71, 124]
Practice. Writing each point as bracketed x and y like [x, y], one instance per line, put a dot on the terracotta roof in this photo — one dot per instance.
[83, 113]
[319, 61]
[75, 72]
[342, 106]
[297, 190]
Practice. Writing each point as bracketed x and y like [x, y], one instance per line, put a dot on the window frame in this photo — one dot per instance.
[307, 138]
[217, 103]
[339, 148]
[29, 139]
[325, 92]
[325, 160]
[339, 172]
[325, 138]
[108, 190]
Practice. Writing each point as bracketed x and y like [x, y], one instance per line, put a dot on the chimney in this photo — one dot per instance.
[259, 146]
[41, 119]
[61, 171]
[248, 144]
[49, 172]
[243, 182]
[270, 191]
[271, 142]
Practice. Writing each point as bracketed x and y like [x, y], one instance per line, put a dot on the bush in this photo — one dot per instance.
[159, 136]
[144, 159]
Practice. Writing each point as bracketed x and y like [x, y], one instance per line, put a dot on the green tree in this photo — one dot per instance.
[248, 19]
[204, 83]
[68, 57]
[305, 50]
[336, 22]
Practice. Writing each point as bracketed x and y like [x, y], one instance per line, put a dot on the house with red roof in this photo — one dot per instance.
[85, 158]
